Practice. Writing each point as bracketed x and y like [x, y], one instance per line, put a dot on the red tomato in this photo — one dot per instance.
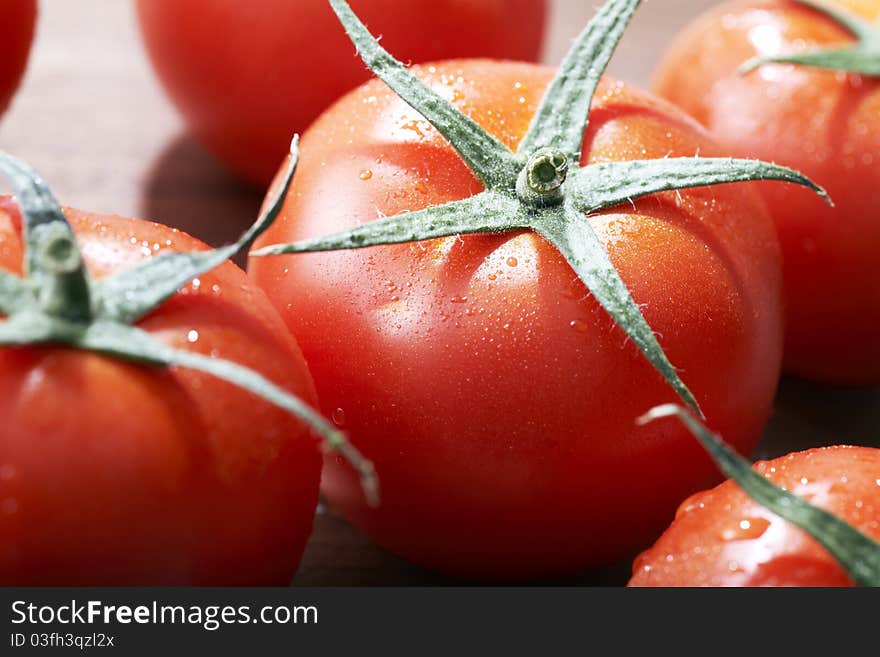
[823, 123]
[247, 79]
[722, 537]
[495, 396]
[114, 473]
[17, 18]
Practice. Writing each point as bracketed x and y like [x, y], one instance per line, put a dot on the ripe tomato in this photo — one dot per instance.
[246, 80]
[494, 395]
[722, 537]
[115, 473]
[827, 125]
[18, 19]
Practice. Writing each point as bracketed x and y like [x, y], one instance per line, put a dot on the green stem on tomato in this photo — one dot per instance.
[58, 303]
[857, 553]
[540, 187]
[862, 58]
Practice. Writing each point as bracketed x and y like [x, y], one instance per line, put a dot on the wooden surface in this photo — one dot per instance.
[93, 120]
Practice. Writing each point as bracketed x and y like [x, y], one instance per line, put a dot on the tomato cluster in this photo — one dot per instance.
[483, 272]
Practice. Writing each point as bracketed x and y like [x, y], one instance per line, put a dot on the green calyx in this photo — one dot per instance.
[863, 57]
[857, 553]
[57, 303]
[539, 187]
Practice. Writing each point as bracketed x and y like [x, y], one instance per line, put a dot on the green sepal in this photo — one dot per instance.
[135, 345]
[607, 184]
[571, 233]
[53, 263]
[562, 118]
[862, 58]
[39, 209]
[489, 159]
[488, 212]
[26, 328]
[857, 553]
[43, 308]
[132, 293]
[519, 201]
[16, 293]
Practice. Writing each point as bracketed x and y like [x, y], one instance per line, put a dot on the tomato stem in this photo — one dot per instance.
[856, 552]
[65, 290]
[862, 58]
[540, 182]
[528, 189]
[57, 303]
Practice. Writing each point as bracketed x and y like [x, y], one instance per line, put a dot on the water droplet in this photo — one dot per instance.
[338, 417]
[512, 262]
[745, 529]
[579, 326]
[192, 336]
[196, 283]
[461, 299]
[366, 174]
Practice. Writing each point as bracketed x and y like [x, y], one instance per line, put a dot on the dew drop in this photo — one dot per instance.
[579, 326]
[512, 262]
[366, 174]
[192, 336]
[745, 529]
[338, 417]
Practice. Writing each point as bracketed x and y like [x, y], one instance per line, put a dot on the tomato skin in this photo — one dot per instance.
[823, 123]
[18, 19]
[496, 398]
[722, 537]
[113, 473]
[247, 83]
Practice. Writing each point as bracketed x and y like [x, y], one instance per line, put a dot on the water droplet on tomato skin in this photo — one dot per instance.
[338, 417]
[366, 174]
[512, 262]
[192, 336]
[579, 326]
[745, 529]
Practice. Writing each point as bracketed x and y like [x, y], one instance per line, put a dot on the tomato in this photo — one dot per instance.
[246, 80]
[494, 395]
[18, 19]
[116, 473]
[722, 537]
[827, 125]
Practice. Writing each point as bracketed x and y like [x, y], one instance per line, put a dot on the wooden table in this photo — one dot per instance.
[92, 119]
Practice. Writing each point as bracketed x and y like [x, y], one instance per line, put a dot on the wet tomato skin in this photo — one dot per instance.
[114, 473]
[823, 123]
[18, 19]
[246, 81]
[495, 396]
[722, 537]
